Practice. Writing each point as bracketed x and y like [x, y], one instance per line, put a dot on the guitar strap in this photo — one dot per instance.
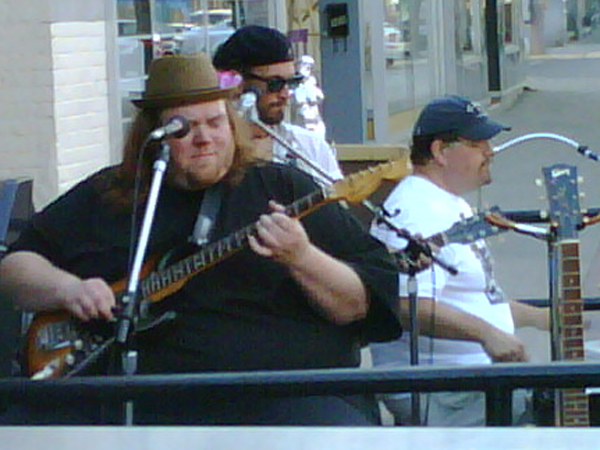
[207, 215]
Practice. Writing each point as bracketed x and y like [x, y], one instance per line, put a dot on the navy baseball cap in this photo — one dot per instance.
[455, 114]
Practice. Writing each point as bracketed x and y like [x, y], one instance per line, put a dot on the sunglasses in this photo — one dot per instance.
[276, 84]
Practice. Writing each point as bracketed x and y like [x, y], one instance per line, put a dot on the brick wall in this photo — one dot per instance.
[54, 120]
[26, 122]
[80, 100]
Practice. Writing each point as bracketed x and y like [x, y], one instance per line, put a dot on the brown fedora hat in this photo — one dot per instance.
[177, 80]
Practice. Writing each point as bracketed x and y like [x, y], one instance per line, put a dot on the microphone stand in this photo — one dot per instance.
[125, 328]
[380, 216]
[322, 176]
[583, 149]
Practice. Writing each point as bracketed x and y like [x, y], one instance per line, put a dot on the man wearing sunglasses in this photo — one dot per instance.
[264, 58]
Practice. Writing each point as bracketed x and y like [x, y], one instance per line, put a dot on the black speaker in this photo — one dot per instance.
[16, 208]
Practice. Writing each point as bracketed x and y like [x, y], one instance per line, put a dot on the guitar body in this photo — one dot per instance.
[56, 343]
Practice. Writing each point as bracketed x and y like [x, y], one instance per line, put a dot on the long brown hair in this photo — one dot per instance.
[117, 187]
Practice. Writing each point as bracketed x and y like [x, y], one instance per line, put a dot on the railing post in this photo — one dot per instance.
[498, 407]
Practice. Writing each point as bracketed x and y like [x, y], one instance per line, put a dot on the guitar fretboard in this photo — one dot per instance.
[215, 252]
[574, 411]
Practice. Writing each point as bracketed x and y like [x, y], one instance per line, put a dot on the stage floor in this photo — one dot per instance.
[296, 438]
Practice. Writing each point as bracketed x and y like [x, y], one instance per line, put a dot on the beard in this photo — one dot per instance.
[273, 117]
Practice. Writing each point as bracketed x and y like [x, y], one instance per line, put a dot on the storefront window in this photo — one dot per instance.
[464, 26]
[408, 64]
[151, 28]
[508, 22]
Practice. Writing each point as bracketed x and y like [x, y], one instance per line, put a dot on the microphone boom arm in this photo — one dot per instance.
[583, 149]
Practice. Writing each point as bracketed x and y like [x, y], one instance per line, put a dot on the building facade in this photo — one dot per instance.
[69, 67]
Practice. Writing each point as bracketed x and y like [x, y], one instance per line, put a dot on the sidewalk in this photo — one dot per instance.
[586, 48]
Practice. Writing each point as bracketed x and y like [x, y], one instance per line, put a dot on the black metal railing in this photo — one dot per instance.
[497, 381]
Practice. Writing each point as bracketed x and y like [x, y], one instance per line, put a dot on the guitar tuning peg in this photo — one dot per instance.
[542, 198]
[582, 195]
[69, 359]
[544, 214]
[580, 179]
[538, 182]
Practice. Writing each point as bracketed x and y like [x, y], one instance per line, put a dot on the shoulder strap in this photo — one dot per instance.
[207, 215]
[7, 199]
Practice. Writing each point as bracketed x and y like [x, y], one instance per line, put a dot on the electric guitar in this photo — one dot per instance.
[58, 345]
[571, 405]
[478, 226]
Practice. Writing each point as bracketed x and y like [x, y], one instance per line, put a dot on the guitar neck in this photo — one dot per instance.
[571, 304]
[160, 283]
[573, 405]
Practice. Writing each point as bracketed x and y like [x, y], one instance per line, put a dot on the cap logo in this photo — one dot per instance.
[475, 108]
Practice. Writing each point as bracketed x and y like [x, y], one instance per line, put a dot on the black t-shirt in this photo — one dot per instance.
[246, 312]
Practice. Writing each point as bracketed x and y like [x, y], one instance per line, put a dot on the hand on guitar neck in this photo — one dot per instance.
[335, 289]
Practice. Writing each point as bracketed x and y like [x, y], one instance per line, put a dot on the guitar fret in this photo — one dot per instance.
[572, 320]
[571, 281]
[216, 251]
[570, 266]
[574, 342]
[241, 237]
[295, 208]
[165, 276]
[227, 244]
[189, 266]
[571, 308]
[574, 355]
[154, 282]
[573, 331]
[178, 271]
[198, 261]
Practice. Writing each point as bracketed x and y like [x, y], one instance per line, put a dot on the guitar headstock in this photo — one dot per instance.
[476, 227]
[360, 185]
[563, 198]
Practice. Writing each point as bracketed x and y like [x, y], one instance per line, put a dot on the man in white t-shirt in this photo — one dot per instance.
[264, 58]
[463, 319]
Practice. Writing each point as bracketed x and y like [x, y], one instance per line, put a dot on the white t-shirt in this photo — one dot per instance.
[420, 206]
[309, 144]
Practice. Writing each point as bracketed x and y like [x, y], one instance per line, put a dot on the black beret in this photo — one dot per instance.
[251, 46]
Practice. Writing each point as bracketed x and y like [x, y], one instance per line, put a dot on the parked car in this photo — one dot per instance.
[203, 39]
[396, 47]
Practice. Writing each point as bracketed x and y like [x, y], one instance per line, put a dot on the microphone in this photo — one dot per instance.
[585, 151]
[582, 149]
[246, 106]
[176, 127]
